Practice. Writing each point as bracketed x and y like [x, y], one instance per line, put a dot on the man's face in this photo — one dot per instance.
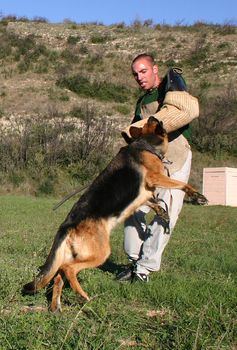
[145, 73]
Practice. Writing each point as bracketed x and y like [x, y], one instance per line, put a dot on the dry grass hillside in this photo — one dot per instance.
[55, 70]
[207, 54]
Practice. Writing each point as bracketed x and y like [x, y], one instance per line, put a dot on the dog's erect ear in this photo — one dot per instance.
[152, 120]
[126, 137]
[155, 126]
[160, 129]
[135, 132]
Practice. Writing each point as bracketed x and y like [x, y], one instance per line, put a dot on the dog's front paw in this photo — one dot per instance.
[198, 198]
[163, 214]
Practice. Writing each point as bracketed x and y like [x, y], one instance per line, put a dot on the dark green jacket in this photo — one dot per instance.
[173, 81]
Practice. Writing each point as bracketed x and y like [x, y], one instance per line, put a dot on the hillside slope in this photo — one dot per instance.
[207, 54]
[62, 70]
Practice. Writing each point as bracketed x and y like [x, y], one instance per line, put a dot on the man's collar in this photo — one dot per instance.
[150, 91]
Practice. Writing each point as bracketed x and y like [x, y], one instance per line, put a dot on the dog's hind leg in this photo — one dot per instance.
[71, 272]
[47, 272]
[57, 291]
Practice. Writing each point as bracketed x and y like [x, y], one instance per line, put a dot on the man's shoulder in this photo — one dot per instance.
[174, 81]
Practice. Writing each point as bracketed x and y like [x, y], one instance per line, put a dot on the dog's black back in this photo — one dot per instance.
[112, 191]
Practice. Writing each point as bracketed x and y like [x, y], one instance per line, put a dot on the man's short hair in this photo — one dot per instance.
[147, 56]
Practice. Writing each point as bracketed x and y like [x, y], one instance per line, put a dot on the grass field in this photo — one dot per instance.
[190, 304]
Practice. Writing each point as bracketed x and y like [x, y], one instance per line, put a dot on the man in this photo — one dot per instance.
[167, 100]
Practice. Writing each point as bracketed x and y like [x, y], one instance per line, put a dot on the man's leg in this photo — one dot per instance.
[135, 232]
[157, 239]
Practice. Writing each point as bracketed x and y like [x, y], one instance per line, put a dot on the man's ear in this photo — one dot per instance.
[135, 132]
[155, 69]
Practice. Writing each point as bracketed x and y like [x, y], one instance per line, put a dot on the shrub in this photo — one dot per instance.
[25, 51]
[99, 39]
[77, 112]
[73, 40]
[170, 63]
[9, 18]
[123, 109]
[40, 19]
[226, 29]
[23, 19]
[224, 45]
[23, 66]
[137, 24]
[15, 178]
[5, 45]
[148, 23]
[199, 53]
[83, 49]
[69, 56]
[36, 148]
[215, 130]
[42, 66]
[22, 45]
[101, 90]
[121, 25]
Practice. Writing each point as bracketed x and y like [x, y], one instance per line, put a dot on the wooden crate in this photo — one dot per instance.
[220, 186]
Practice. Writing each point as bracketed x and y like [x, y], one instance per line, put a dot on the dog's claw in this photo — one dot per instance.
[164, 215]
[199, 198]
[55, 309]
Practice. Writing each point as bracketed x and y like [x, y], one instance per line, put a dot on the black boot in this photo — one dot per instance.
[127, 273]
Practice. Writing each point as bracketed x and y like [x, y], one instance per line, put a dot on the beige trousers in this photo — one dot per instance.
[146, 243]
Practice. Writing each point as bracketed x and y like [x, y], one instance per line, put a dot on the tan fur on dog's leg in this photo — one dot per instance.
[162, 181]
[71, 272]
[57, 291]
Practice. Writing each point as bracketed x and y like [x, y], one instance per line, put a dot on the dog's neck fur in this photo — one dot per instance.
[143, 144]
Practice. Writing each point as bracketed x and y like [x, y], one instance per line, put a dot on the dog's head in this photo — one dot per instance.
[152, 131]
[152, 127]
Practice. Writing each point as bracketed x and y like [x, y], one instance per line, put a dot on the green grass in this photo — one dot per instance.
[190, 304]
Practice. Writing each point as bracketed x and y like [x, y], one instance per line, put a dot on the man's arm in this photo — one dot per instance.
[179, 109]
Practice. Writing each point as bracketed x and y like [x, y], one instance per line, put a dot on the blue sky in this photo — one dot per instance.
[117, 11]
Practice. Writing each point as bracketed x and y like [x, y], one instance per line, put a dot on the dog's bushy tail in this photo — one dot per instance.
[49, 269]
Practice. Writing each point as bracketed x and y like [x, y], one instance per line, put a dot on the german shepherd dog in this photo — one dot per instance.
[130, 179]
